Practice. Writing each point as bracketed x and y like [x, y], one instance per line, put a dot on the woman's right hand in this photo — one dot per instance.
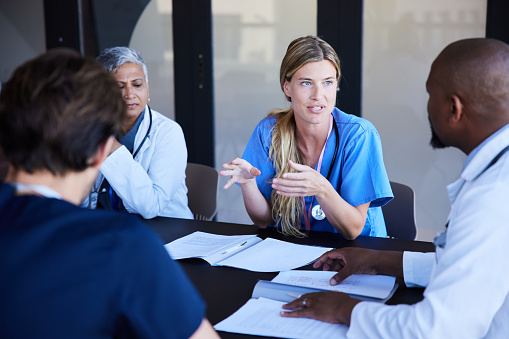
[241, 172]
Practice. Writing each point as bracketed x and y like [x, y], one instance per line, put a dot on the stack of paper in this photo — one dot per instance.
[245, 251]
[260, 315]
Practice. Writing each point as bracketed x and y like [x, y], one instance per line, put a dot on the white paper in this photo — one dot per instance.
[202, 244]
[279, 292]
[261, 317]
[272, 255]
[375, 286]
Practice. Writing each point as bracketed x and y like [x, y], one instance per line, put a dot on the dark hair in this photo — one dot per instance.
[56, 110]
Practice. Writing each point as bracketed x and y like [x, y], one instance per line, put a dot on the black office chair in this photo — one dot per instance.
[399, 213]
[202, 183]
[4, 165]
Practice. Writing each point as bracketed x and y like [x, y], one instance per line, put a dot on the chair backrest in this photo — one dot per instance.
[202, 183]
[4, 164]
[399, 213]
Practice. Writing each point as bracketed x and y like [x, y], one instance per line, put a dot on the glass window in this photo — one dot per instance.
[249, 42]
[153, 38]
[401, 40]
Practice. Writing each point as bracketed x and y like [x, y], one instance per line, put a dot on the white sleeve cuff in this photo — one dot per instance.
[417, 268]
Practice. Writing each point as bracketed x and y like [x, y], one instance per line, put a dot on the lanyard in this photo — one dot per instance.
[307, 213]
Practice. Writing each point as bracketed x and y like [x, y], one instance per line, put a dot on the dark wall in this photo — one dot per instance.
[340, 23]
[497, 24]
[89, 26]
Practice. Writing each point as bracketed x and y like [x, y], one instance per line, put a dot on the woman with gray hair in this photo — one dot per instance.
[145, 171]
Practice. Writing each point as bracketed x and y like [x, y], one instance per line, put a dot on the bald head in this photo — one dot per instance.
[477, 71]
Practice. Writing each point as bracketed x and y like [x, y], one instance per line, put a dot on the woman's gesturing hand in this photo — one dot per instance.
[240, 171]
[305, 182]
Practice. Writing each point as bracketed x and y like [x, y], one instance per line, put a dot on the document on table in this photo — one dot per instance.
[203, 245]
[261, 317]
[373, 286]
[245, 251]
[261, 314]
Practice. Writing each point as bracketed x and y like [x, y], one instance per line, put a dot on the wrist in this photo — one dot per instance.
[326, 192]
[389, 263]
[347, 309]
[248, 182]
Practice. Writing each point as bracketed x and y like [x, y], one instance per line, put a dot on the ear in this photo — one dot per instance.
[286, 86]
[102, 153]
[456, 109]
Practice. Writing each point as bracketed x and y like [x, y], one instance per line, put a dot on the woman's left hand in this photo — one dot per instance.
[306, 182]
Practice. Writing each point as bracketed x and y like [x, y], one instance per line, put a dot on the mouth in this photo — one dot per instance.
[130, 106]
[316, 108]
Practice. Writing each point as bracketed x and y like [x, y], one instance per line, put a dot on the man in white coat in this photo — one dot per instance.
[466, 279]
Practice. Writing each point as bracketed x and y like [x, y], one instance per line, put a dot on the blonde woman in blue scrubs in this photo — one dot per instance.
[312, 166]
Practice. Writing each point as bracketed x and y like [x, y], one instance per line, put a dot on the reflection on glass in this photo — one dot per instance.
[153, 38]
[401, 39]
[249, 41]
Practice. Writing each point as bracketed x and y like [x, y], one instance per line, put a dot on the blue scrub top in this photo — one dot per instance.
[358, 173]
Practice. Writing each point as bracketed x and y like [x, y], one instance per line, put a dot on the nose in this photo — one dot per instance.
[128, 91]
[317, 93]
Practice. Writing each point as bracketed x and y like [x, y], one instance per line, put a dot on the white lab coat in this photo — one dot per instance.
[467, 295]
[153, 184]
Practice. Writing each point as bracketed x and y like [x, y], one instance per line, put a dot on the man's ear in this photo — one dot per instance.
[456, 109]
[102, 153]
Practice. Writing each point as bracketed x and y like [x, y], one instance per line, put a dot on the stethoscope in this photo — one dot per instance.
[317, 211]
[115, 200]
[148, 132]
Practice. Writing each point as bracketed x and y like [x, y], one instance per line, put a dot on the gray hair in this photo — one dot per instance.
[113, 58]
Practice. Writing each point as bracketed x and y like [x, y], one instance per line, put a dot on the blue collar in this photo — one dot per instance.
[128, 139]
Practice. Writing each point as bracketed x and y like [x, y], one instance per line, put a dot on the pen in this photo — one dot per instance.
[293, 295]
[245, 242]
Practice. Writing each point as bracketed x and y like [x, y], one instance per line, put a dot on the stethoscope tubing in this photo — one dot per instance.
[113, 196]
[336, 147]
[148, 132]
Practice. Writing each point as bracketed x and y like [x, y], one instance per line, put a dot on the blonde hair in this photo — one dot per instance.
[287, 211]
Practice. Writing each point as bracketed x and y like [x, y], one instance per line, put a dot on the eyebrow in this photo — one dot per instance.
[137, 79]
[309, 79]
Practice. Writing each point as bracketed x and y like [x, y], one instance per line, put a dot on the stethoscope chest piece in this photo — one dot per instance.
[317, 212]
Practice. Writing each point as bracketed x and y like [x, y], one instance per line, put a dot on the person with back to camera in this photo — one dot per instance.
[467, 278]
[312, 166]
[66, 271]
[145, 171]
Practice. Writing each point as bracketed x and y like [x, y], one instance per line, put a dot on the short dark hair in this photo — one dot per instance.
[56, 110]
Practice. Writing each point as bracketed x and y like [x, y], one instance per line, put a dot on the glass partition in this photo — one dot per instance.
[153, 38]
[401, 40]
[249, 42]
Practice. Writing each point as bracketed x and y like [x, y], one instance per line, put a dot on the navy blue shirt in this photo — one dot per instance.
[128, 139]
[68, 272]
